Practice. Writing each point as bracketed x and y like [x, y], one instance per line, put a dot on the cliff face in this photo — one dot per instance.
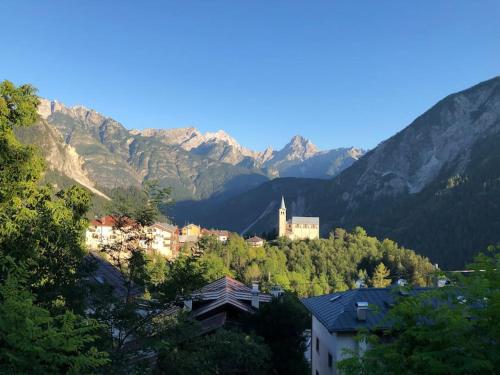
[61, 158]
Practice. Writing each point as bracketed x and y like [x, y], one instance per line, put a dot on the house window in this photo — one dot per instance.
[317, 345]
[330, 360]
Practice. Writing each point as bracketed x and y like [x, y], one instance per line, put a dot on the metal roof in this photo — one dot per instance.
[305, 220]
[337, 311]
[227, 286]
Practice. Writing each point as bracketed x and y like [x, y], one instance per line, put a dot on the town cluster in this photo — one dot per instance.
[167, 239]
[163, 238]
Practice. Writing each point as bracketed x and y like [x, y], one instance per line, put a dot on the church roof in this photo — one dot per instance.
[305, 220]
[283, 207]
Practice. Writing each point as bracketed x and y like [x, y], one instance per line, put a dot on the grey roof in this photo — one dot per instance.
[165, 226]
[107, 273]
[305, 220]
[337, 311]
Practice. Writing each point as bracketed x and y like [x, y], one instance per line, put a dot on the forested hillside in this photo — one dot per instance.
[317, 266]
[433, 187]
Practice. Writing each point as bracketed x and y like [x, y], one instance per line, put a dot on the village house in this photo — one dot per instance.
[102, 232]
[255, 241]
[190, 234]
[160, 237]
[298, 227]
[191, 230]
[163, 238]
[223, 303]
[338, 317]
[220, 235]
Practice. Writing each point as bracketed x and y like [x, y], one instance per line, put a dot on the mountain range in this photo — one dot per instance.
[99, 153]
[433, 187]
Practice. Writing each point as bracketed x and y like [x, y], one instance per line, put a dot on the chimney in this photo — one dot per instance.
[188, 304]
[361, 311]
[276, 291]
[255, 295]
[402, 282]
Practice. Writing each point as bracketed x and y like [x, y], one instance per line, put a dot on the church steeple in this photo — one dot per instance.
[282, 218]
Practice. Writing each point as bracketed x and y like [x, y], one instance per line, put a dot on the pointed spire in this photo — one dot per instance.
[283, 203]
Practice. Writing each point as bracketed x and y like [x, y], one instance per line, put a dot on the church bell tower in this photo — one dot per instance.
[282, 218]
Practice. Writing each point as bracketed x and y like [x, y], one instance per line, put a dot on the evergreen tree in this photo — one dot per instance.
[380, 278]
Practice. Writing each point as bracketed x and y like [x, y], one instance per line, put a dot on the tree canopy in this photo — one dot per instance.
[449, 330]
[314, 267]
[41, 254]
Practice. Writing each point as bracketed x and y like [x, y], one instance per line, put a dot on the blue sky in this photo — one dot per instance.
[341, 73]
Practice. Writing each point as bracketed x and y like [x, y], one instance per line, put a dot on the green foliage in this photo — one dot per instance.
[141, 205]
[41, 253]
[36, 342]
[222, 353]
[318, 266]
[281, 323]
[451, 330]
[380, 278]
[37, 227]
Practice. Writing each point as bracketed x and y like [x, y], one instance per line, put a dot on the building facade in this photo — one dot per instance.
[221, 235]
[337, 318]
[298, 227]
[255, 241]
[159, 237]
[192, 230]
[163, 238]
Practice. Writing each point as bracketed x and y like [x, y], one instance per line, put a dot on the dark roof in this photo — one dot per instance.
[107, 273]
[227, 288]
[337, 311]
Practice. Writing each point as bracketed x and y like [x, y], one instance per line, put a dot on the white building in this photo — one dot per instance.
[255, 241]
[101, 232]
[163, 238]
[336, 320]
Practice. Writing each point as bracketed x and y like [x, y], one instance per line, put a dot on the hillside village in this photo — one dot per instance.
[299, 300]
[167, 239]
[336, 318]
[250, 188]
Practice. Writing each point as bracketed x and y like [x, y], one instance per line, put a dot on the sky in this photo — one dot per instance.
[340, 73]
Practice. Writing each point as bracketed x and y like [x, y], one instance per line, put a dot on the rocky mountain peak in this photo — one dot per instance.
[48, 107]
[299, 148]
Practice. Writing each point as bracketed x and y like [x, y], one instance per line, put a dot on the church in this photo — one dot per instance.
[298, 227]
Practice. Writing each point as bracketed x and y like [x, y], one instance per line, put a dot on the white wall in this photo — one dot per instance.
[329, 343]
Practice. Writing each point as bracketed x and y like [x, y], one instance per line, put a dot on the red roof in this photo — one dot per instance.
[110, 221]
